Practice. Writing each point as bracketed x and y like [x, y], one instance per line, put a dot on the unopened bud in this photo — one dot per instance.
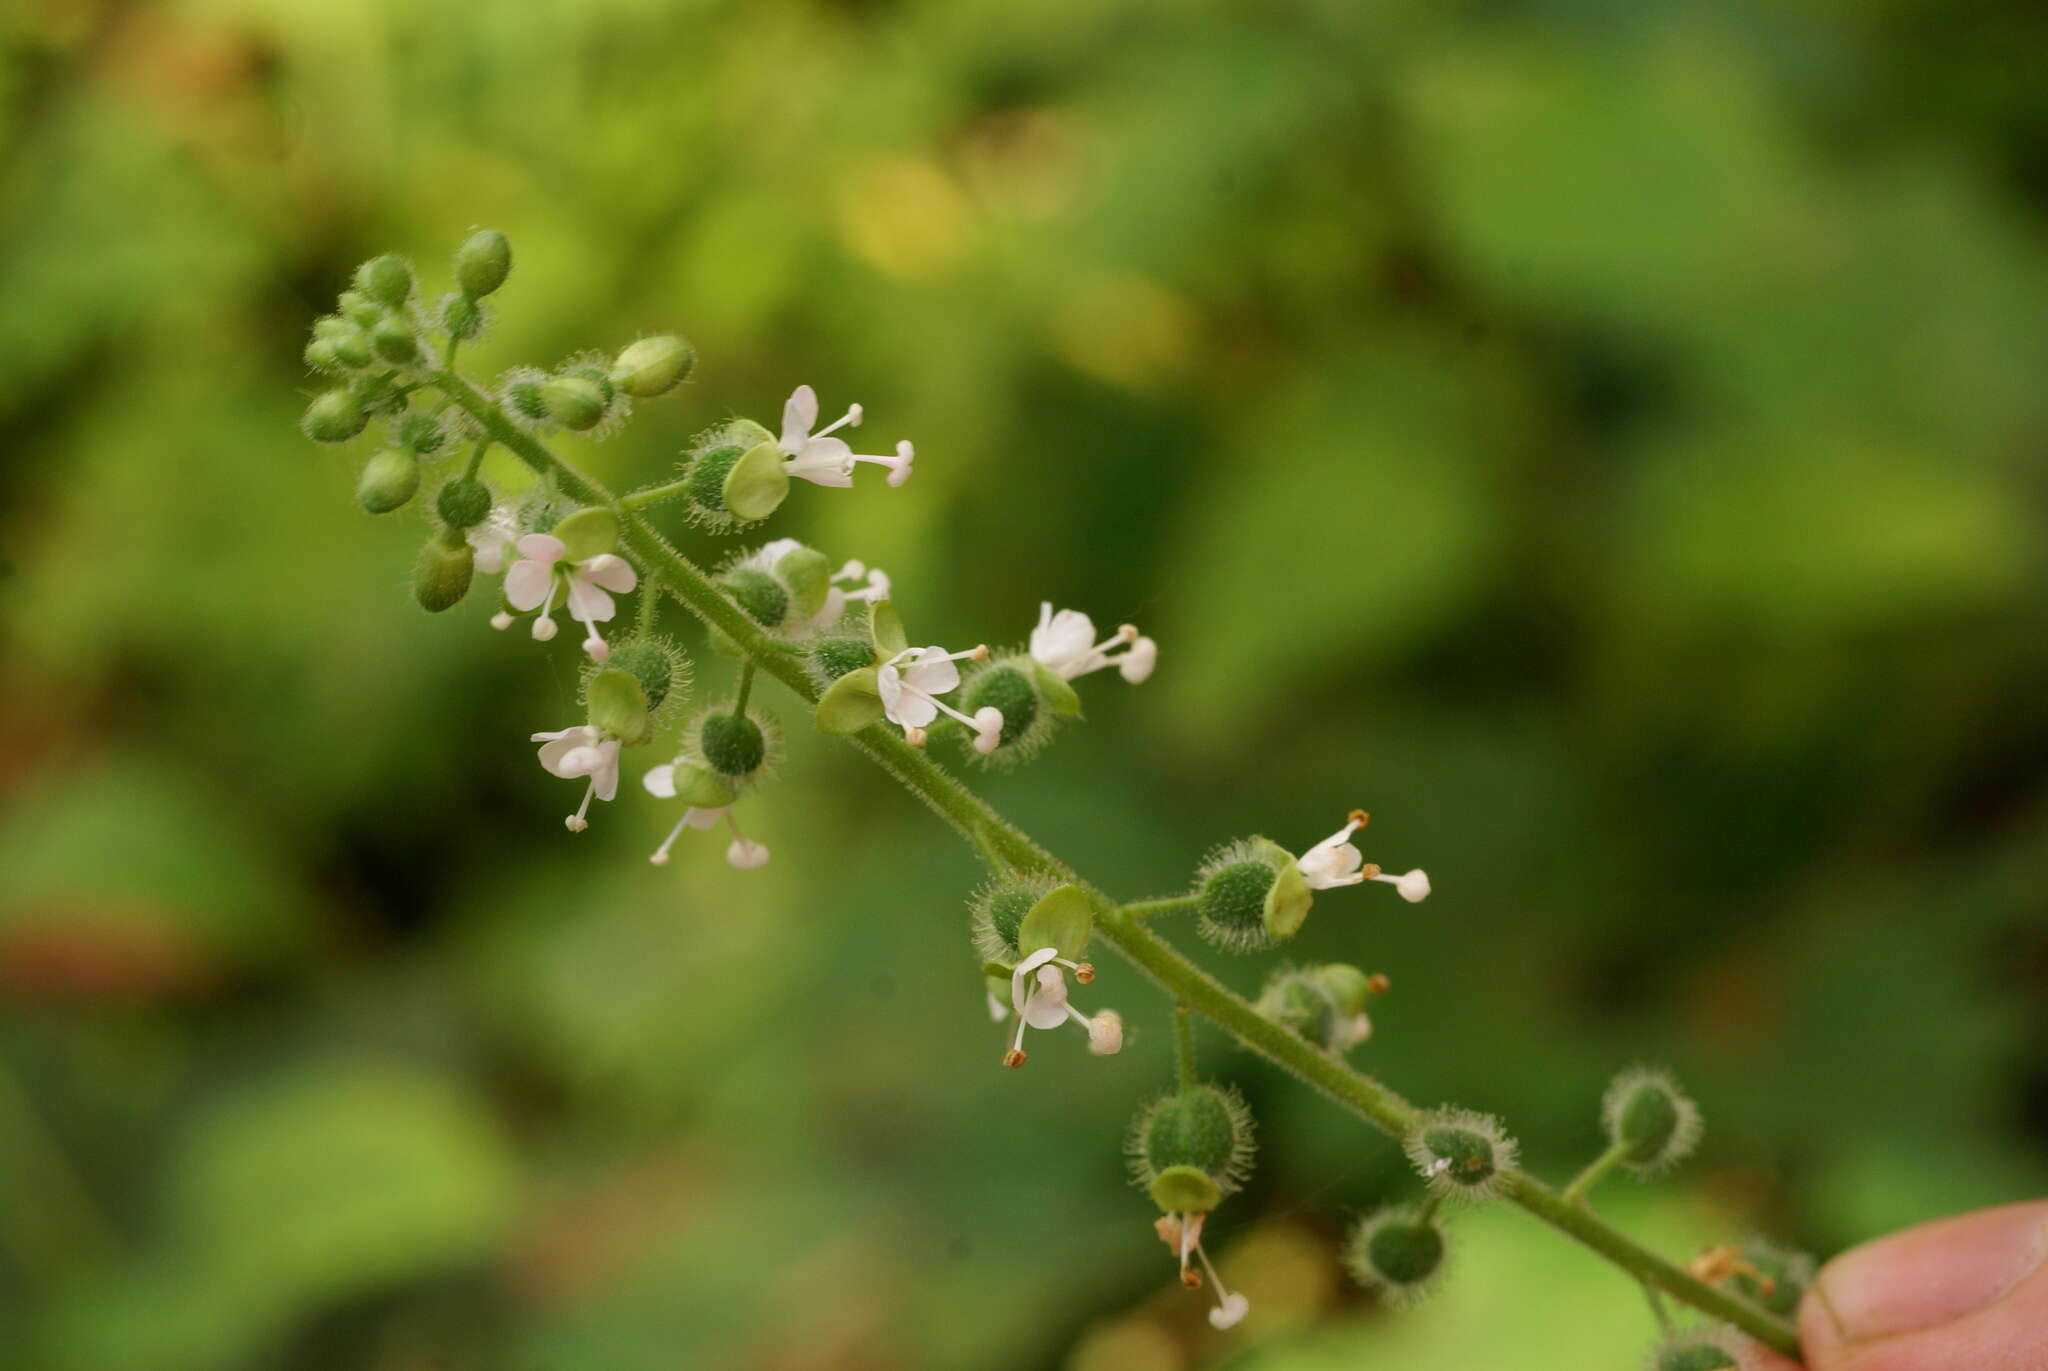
[388, 481]
[386, 280]
[660, 669]
[462, 317]
[321, 356]
[483, 262]
[464, 502]
[422, 433]
[441, 578]
[393, 342]
[360, 308]
[334, 417]
[653, 366]
[575, 402]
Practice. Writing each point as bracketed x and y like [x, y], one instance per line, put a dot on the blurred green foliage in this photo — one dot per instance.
[1604, 440]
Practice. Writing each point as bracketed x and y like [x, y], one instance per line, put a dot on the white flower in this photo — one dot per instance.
[582, 751]
[544, 570]
[876, 587]
[743, 852]
[1336, 861]
[820, 458]
[1182, 1232]
[910, 684]
[1065, 643]
[490, 539]
[1038, 994]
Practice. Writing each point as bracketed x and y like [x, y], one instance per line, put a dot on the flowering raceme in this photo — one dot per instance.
[781, 612]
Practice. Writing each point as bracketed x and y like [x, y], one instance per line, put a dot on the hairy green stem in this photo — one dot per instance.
[1583, 1183]
[1184, 1046]
[1171, 904]
[652, 495]
[1009, 847]
[739, 703]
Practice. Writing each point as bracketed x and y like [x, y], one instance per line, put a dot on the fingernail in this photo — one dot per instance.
[1934, 1274]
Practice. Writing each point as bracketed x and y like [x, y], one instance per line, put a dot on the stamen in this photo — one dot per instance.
[660, 857]
[544, 626]
[576, 823]
[852, 416]
[1084, 972]
[501, 621]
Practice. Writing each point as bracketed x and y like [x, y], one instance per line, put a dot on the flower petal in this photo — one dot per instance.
[932, 671]
[614, 573]
[587, 603]
[822, 461]
[660, 781]
[799, 414]
[526, 584]
[542, 547]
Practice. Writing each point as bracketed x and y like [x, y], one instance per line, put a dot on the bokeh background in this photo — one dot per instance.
[1604, 440]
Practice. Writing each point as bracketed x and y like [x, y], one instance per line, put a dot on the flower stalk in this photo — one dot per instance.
[1008, 848]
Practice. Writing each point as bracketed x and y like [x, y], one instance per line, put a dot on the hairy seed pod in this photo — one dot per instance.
[1649, 1120]
[1398, 1253]
[1461, 1154]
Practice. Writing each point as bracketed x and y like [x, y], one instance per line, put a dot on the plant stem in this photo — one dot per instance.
[1171, 904]
[739, 704]
[1184, 1046]
[652, 496]
[1009, 847]
[1583, 1183]
[476, 459]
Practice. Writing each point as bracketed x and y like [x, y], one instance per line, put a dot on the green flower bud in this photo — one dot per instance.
[462, 317]
[335, 416]
[393, 342]
[352, 348]
[1253, 895]
[653, 366]
[360, 309]
[387, 280]
[1203, 1130]
[732, 743]
[388, 481]
[483, 262]
[1398, 1253]
[1710, 1348]
[575, 402]
[617, 705]
[464, 502]
[1772, 1276]
[441, 577]
[423, 433]
[321, 356]
[1649, 1120]
[660, 668]
[1461, 1154]
[519, 394]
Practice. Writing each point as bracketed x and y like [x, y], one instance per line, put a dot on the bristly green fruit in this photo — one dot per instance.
[1010, 685]
[998, 910]
[463, 502]
[388, 481]
[1773, 1276]
[1325, 1005]
[386, 280]
[1649, 1120]
[1398, 1253]
[653, 366]
[1462, 1154]
[662, 671]
[442, 575]
[1253, 896]
[335, 416]
[832, 658]
[759, 594]
[733, 744]
[1709, 1348]
[1200, 1134]
[483, 262]
[710, 461]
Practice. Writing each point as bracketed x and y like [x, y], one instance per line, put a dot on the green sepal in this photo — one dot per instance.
[1059, 695]
[885, 630]
[588, 533]
[618, 706]
[1347, 986]
[850, 703]
[996, 971]
[1184, 1189]
[807, 576]
[1288, 901]
[1061, 919]
[757, 484]
[701, 789]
